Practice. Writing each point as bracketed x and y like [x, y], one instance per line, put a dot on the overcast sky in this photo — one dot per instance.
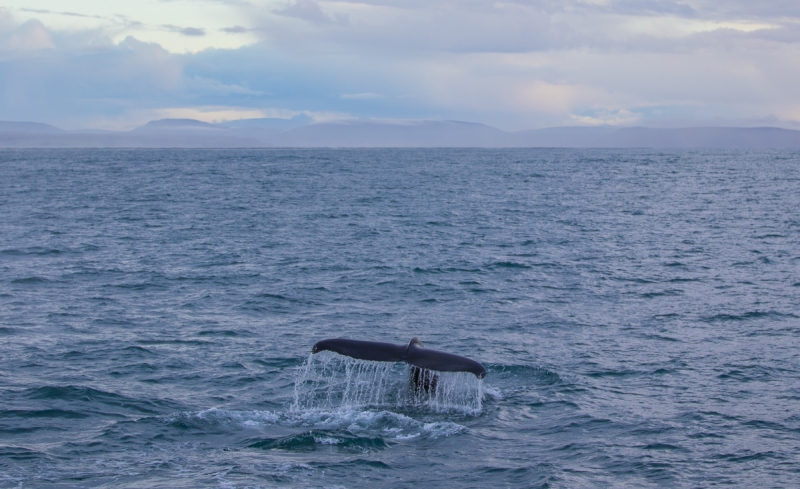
[512, 64]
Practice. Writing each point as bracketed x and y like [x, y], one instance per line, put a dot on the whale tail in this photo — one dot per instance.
[414, 354]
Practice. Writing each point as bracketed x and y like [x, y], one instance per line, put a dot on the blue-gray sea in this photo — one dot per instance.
[638, 313]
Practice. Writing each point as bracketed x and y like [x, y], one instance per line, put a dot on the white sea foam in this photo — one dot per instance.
[493, 392]
[222, 417]
[386, 424]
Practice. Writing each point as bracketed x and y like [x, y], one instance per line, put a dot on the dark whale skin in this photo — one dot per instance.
[414, 354]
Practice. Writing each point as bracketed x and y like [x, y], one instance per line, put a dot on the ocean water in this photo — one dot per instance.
[638, 313]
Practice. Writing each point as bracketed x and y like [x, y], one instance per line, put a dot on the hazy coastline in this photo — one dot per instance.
[302, 133]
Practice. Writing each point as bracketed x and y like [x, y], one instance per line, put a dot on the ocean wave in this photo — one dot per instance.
[314, 440]
[539, 375]
[30, 281]
[749, 315]
[42, 413]
[88, 396]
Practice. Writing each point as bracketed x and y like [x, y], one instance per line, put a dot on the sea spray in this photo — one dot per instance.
[330, 381]
[452, 391]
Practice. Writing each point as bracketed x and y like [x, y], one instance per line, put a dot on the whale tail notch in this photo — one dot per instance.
[414, 354]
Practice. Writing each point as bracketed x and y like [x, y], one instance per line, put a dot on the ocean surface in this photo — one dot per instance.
[638, 313]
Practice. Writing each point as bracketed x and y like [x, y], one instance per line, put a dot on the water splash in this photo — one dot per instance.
[331, 381]
[454, 391]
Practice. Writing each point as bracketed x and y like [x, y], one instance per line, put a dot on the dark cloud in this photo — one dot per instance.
[310, 11]
[68, 14]
[412, 28]
[749, 9]
[83, 85]
[237, 29]
[192, 31]
[304, 9]
[185, 31]
[652, 7]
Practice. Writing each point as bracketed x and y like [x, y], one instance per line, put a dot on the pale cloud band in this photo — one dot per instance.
[515, 64]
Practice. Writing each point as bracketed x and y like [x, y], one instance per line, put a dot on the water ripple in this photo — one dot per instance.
[636, 311]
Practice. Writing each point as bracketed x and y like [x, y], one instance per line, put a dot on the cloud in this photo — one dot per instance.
[203, 84]
[360, 96]
[192, 31]
[304, 9]
[186, 31]
[176, 26]
[68, 14]
[607, 117]
[556, 98]
[30, 36]
[310, 11]
[72, 88]
[202, 113]
[237, 29]
[397, 27]
[514, 64]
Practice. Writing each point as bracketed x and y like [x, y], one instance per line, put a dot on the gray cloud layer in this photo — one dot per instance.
[514, 64]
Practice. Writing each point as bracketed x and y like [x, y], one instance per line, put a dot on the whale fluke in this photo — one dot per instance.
[414, 354]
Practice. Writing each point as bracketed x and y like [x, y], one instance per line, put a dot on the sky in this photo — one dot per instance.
[109, 64]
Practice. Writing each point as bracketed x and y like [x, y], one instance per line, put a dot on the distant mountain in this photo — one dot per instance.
[563, 137]
[7, 127]
[377, 134]
[125, 140]
[254, 133]
[165, 133]
[268, 123]
[343, 134]
[703, 137]
[177, 125]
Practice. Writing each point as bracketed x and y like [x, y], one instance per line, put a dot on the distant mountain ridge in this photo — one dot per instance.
[176, 124]
[298, 132]
[11, 127]
[383, 134]
[705, 137]
[269, 123]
